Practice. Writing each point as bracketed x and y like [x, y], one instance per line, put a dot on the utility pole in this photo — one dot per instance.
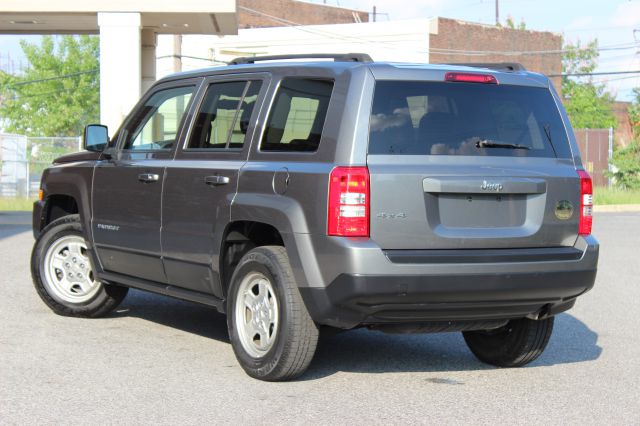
[497, 14]
[374, 13]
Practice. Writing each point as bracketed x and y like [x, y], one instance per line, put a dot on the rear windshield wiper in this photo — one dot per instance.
[547, 132]
[486, 143]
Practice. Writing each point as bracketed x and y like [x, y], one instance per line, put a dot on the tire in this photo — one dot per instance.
[264, 303]
[514, 345]
[63, 274]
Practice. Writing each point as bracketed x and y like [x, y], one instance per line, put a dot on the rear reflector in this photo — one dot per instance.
[470, 78]
[586, 203]
[348, 213]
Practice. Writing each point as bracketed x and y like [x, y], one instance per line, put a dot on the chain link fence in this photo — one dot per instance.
[22, 160]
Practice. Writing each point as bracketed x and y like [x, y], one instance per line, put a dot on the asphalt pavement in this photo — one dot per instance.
[161, 361]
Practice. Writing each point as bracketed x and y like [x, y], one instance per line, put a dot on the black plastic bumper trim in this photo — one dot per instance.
[544, 254]
[352, 300]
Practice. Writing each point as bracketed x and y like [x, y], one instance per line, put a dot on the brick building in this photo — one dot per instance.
[298, 12]
[456, 41]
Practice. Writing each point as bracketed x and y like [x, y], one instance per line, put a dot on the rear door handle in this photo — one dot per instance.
[216, 180]
[148, 177]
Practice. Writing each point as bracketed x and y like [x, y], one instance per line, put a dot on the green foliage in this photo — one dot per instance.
[510, 23]
[578, 59]
[587, 103]
[626, 162]
[58, 94]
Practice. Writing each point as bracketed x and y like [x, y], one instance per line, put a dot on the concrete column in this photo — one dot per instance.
[120, 66]
[177, 52]
[148, 58]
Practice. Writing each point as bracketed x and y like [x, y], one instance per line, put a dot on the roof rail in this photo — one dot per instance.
[337, 57]
[498, 66]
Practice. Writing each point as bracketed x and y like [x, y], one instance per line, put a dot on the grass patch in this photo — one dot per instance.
[16, 204]
[603, 195]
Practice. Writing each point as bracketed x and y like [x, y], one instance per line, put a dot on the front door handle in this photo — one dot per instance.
[148, 177]
[216, 180]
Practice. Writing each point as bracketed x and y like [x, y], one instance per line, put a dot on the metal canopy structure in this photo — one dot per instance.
[80, 17]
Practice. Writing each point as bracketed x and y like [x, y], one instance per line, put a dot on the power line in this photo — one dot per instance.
[589, 74]
[325, 33]
[200, 58]
[431, 50]
[39, 95]
[439, 51]
[60, 77]
[608, 80]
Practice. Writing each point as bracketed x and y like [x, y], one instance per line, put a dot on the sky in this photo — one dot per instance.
[612, 22]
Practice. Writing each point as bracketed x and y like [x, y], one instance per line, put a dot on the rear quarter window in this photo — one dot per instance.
[454, 118]
[297, 115]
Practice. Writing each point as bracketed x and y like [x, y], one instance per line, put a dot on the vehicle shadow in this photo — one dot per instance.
[364, 351]
[182, 315]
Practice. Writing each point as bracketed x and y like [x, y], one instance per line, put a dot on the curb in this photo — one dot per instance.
[609, 208]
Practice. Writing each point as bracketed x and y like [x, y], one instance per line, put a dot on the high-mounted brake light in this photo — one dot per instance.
[586, 203]
[470, 78]
[348, 202]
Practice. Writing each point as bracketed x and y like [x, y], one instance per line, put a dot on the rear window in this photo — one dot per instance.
[438, 118]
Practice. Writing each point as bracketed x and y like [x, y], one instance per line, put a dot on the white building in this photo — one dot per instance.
[397, 41]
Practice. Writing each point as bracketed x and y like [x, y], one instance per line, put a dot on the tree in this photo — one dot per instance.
[626, 163]
[58, 94]
[588, 104]
[626, 160]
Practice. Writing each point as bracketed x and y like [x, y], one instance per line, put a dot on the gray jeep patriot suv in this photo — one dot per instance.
[296, 195]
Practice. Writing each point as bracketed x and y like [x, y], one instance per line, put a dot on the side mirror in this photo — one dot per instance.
[96, 137]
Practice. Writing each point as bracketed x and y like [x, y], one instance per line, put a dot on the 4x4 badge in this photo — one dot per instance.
[385, 215]
[564, 210]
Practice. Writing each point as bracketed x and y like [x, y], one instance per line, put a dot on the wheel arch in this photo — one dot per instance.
[278, 216]
[239, 237]
[59, 205]
[67, 190]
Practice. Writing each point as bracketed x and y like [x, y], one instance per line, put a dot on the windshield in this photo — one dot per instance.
[444, 118]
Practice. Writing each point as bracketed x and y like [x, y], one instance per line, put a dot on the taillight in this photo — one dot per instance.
[348, 202]
[470, 78]
[586, 203]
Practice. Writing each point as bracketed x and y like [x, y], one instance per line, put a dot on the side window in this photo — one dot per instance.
[157, 123]
[297, 115]
[223, 118]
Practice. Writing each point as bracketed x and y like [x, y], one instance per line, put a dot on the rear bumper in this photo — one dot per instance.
[450, 292]
[353, 300]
